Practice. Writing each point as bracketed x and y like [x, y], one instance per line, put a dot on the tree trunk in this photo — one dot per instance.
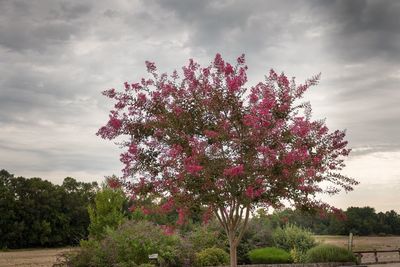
[233, 253]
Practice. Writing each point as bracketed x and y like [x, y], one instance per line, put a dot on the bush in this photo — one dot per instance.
[212, 257]
[329, 253]
[269, 255]
[258, 234]
[203, 237]
[129, 245]
[107, 212]
[294, 239]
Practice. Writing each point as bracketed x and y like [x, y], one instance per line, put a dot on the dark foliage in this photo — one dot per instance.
[37, 213]
[357, 220]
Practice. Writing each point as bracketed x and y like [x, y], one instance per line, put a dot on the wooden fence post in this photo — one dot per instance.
[359, 256]
[376, 255]
[350, 242]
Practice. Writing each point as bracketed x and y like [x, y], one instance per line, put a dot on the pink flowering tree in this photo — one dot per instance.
[205, 139]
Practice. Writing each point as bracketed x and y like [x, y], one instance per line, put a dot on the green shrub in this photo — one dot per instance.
[128, 246]
[107, 212]
[269, 255]
[329, 253]
[298, 256]
[258, 234]
[203, 237]
[212, 257]
[294, 239]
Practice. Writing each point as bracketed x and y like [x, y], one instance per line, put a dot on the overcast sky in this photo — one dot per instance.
[57, 56]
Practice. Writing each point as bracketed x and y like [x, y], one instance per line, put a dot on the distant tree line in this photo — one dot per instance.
[37, 213]
[357, 220]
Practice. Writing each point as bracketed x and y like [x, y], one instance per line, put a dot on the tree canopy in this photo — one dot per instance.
[37, 213]
[207, 139]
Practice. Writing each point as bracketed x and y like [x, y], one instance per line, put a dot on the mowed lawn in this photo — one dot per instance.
[31, 258]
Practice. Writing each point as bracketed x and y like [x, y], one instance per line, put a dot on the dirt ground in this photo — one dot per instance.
[31, 258]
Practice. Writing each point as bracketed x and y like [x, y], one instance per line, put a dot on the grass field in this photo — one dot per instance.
[47, 257]
[31, 258]
[362, 242]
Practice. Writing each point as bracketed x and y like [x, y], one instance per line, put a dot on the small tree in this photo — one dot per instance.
[107, 211]
[206, 139]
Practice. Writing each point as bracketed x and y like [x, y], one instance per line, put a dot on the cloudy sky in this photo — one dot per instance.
[57, 56]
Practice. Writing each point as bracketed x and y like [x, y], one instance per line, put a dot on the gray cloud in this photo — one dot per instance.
[361, 30]
[36, 26]
[57, 56]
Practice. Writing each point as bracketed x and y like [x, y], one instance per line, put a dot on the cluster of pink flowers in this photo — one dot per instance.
[205, 131]
[253, 193]
[168, 229]
[167, 206]
[192, 166]
[113, 182]
[234, 171]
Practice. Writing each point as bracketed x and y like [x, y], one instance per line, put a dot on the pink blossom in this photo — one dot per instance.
[289, 158]
[253, 97]
[228, 69]
[250, 120]
[136, 86]
[234, 171]
[233, 84]
[210, 134]
[167, 206]
[132, 208]
[253, 193]
[301, 127]
[146, 211]
[206, 72]
[181, 216]
[113, 182]
[133, 149]
[110, 93]
[310, 172]
[115, 123]
[175, 75]
[273, 75]
[207, 215]
[177, 110]
[141, 99]
[193, 169]
[127, 158]
[127, 86]
[168, 230]
[151, 67]
[167, 89]
[283, 80]
[120, 105]
[219, 63]
[316, 159]
[241, 60]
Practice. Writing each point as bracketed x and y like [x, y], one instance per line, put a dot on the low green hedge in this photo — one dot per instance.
[329, 253]
[269, 255]
[212, 257]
